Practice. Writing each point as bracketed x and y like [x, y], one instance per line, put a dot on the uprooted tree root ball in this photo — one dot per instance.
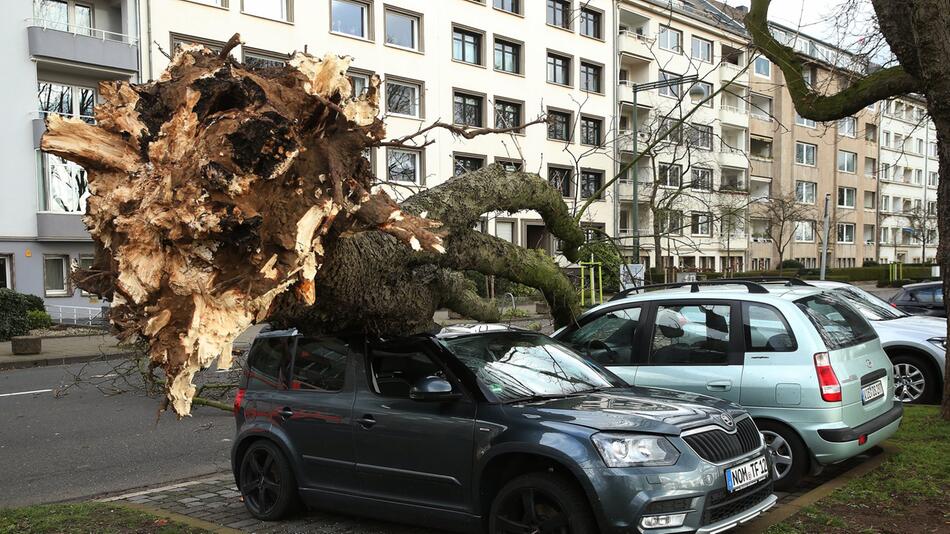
[222, 196]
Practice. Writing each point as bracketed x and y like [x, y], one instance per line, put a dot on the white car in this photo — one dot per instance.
[916, 345]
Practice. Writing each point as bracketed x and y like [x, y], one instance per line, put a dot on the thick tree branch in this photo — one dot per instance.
[458, 294]
[879, 85]
[460, 131]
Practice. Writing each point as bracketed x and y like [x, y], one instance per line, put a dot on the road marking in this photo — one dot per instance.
[214, 478]
[25, 392]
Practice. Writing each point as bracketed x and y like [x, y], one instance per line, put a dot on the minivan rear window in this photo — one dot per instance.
[269, 362]
[838, 324]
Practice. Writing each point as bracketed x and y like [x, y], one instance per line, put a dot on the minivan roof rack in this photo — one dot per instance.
[789, 280]
[694, 286]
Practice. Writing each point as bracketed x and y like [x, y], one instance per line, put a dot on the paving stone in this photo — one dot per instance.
[242, 524]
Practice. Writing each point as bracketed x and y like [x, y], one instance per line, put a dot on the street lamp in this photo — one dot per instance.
[695, 91]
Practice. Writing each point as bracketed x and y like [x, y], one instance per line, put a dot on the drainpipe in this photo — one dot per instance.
[148, 33]
[615, 112]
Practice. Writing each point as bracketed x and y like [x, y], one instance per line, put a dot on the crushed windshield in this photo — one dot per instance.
[873, 307]
[519, 366]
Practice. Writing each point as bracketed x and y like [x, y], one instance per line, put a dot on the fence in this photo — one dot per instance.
[77, 315]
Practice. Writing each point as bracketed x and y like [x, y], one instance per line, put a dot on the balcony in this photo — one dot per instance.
[733, 114]
[760, 166]
[730, 73]
[636, 45]
[82, 45]
[61, 226]
[645, 99]
[625, 140]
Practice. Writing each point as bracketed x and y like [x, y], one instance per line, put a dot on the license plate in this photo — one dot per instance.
[747, 474]
[872, 391]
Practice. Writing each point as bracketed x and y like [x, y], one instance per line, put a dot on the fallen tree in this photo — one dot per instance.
[222, 196]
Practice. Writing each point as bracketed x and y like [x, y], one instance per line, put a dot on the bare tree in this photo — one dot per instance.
[783, 214]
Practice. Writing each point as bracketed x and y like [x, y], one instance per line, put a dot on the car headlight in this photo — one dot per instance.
[625, 450]
[939, 341]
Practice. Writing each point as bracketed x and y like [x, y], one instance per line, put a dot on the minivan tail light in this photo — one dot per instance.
[827, 380]
[239, 400]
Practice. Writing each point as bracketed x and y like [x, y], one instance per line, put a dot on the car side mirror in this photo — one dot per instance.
[433, 389]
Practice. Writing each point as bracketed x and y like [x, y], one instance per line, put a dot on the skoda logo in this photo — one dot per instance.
[727, 420]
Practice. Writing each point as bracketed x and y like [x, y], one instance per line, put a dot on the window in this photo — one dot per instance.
[55, 272]
[464, 164]
[838, 324]
[320, 365]
[559, 13]
[766, 329]
[591, 77]
[847, 161]
[670, 175]
[350, 18]
[559, 126]
[560, 178]
[706, 89]
[591, 131]
[869, 200]
[761, 107]
[808, 75]
[559, 69]
[848, 127]
[403, 166]
[805, 153]
[701, 179]
[671, 221]
[269, 362]
[591, 182]
[507, 56]
[693, 334]
[669, 90]
[845, 233]
[700, 223]
[763, 67]
[54, 13]
[467, 109]
[466, 46]
[6, 273]
[918, 177]
[402, 29]
[262, 60]
[933, 179]
[67, 186]
[591, 23]
[701, 136]
[608, 339]
[402, 98]
[510, 165]
[870, 167]
[671, 131]
[395, 372]
[505, 230]
[806, 192]
[359, 83]
[272, 9]
[671, 39]
[702, 50]
[805, 231]
[511, 6]
[507, 114]
[802, 121]
[69, 100]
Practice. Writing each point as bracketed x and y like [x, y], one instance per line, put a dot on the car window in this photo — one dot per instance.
[320, 364]
[923, 296]
[269, 362]
[693, 334]
[393, 373]
[766, 330]
[608, 338]
[838, 324]
[938, 295]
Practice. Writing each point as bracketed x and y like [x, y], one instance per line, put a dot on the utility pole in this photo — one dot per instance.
[824, 239]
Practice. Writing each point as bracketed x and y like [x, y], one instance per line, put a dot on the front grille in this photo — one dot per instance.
[669, 506]
[718, 446]
[721, 504]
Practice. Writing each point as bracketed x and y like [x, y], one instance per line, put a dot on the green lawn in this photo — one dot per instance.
[909, 492]
[83, 518]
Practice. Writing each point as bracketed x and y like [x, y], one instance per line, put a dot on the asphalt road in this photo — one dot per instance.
[86, 443]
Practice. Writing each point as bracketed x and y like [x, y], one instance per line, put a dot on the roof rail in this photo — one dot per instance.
[694, 286]
[789, 280]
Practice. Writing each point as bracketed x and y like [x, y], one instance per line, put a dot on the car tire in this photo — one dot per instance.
[789, 456]
[267, 482]
[909, 372]
[555, 501]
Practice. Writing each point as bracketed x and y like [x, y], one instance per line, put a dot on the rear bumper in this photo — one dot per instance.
[841, 435]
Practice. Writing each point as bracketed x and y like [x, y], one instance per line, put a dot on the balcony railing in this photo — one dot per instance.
[645, 39]
[734, 109]
[76, 29]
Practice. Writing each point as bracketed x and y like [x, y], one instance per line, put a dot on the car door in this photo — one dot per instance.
[316, 411]
[408, 450]
[775, 367]
[694, 345]
[609, 339]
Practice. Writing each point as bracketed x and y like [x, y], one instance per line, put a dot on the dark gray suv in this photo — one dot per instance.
[499, 431]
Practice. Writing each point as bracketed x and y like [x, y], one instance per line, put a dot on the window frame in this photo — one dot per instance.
[585, 171]
[814, 150]
[843, 195]
[568, 69]
[479, 35]
[57, 293]
[572, 189]
[368, 29]
[734, 353]
[519, 11]
[418, 169]
[747, 328]
[669, 30]
[755, 67]
[420, 91]
[600, 130]
[7, 271]
[708, 185]
[667, 166]
[566, 8]
[595, 68]
[853, 159]
[696, 220]
[810, 224]
[456, 156]
[838, 233]
[418, 28]
[288, 7]
[598, 16]
[481, 107]
[517, 47]
[266, 55]
[347, 366]
[509, 102]
[569, 126]
[804, 190]
[693, 40]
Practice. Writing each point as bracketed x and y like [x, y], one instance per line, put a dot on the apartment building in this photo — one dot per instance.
[56, 53]
[477, 63]
[693, 189]
[908, 183]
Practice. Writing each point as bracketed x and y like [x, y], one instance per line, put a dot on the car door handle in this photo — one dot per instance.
[721, 385]
[285, 412]
[367, 421]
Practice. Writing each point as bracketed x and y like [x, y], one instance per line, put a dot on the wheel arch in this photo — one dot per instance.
[248, 438]
[933, 368]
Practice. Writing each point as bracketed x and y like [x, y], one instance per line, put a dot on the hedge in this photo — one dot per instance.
[13, 319]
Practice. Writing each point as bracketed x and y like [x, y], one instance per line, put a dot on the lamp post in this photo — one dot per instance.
[635, 88]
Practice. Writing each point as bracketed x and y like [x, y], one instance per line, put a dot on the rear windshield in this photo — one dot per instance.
[838, 324]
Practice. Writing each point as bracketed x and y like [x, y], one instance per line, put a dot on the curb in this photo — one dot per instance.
[28, 362]
[183, 519]
[784, 511]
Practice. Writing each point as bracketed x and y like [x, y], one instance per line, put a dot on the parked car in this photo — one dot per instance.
[808, 367]
[925, 298]
[916, 345]
[497, 431]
